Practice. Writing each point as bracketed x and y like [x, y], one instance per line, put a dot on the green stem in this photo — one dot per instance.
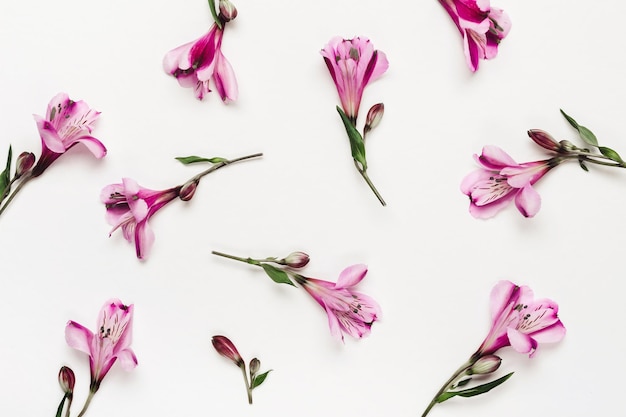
[448, 384]
[69, 405]
[221, 165]
[17, 189]
[60, 407]
[218, 21]
[87, 402]
[370, 183]
[237, 258]
[245, 379]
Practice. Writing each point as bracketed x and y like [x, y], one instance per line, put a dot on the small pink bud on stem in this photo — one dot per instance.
[544, 139]
[188, 190]
[296, 260]
[226, 348]
[374, 115]
[25, 162]
[228, 11]
[485, 365]
[67, 379]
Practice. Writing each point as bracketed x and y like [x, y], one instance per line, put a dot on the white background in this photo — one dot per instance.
[431, 265]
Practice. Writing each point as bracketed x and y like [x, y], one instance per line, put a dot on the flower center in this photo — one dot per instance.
[113, 327]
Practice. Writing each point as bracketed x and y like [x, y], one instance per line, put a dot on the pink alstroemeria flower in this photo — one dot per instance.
[500, 180]
[353, 63]
[130, 206]
[66, 124]
[481, 26]
[348, 311]
[195, 63]
[110, 342]
[520, 321]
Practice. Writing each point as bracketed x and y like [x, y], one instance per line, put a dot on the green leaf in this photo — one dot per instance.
[357, 146]
[186, 160]
[218, 22]
[582, 165]
[5, 176]
[464, 382]
[277, 275]
[471, 392]
[259, 379]
[611, 154]
[584, 133]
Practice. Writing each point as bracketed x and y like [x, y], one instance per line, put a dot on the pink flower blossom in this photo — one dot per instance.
[501, 180]
[66, 124]
[520, 321]
[353, 63]
[348, 311]
[196, 63]
[110, 342]
[130, 206]
[481, 26]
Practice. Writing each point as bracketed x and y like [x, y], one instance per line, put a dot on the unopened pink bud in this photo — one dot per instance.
[226, 348]
[25, 162]
[544, 139]
[67, 379]
[255, 365]
[188, 190]
[374, 115]
[296, 260]
[485, 365]
[228, 11]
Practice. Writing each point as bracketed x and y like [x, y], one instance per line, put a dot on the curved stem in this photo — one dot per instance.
[221, 165]
[447, 385]
[87, 402]
[370, 183]
[245, 379]
[17, 189]
[60, 407]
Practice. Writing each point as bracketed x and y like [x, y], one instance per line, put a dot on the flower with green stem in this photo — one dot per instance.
[227, 349]
[518, 320]
[500, 180]
[67, 124]
[129, 206]
[353, 64]
[348, 311]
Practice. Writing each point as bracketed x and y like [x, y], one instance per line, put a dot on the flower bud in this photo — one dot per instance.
[296, 260]
[188, 190]
[374, 115]
[225, 347]
[544, 139]
[25, 161]
[255, 365]
[67, 379]
[567, 146]
[485, 365]
[227, 10]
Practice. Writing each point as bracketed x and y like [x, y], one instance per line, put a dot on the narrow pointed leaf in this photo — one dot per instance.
[218, 22]
[5, 176]
[464, 382]
[186, 160]
[582, 165]
[277, 275]
[357, 146]
[259, 379]
[584, 133]
[611, 154]
[471, 392]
